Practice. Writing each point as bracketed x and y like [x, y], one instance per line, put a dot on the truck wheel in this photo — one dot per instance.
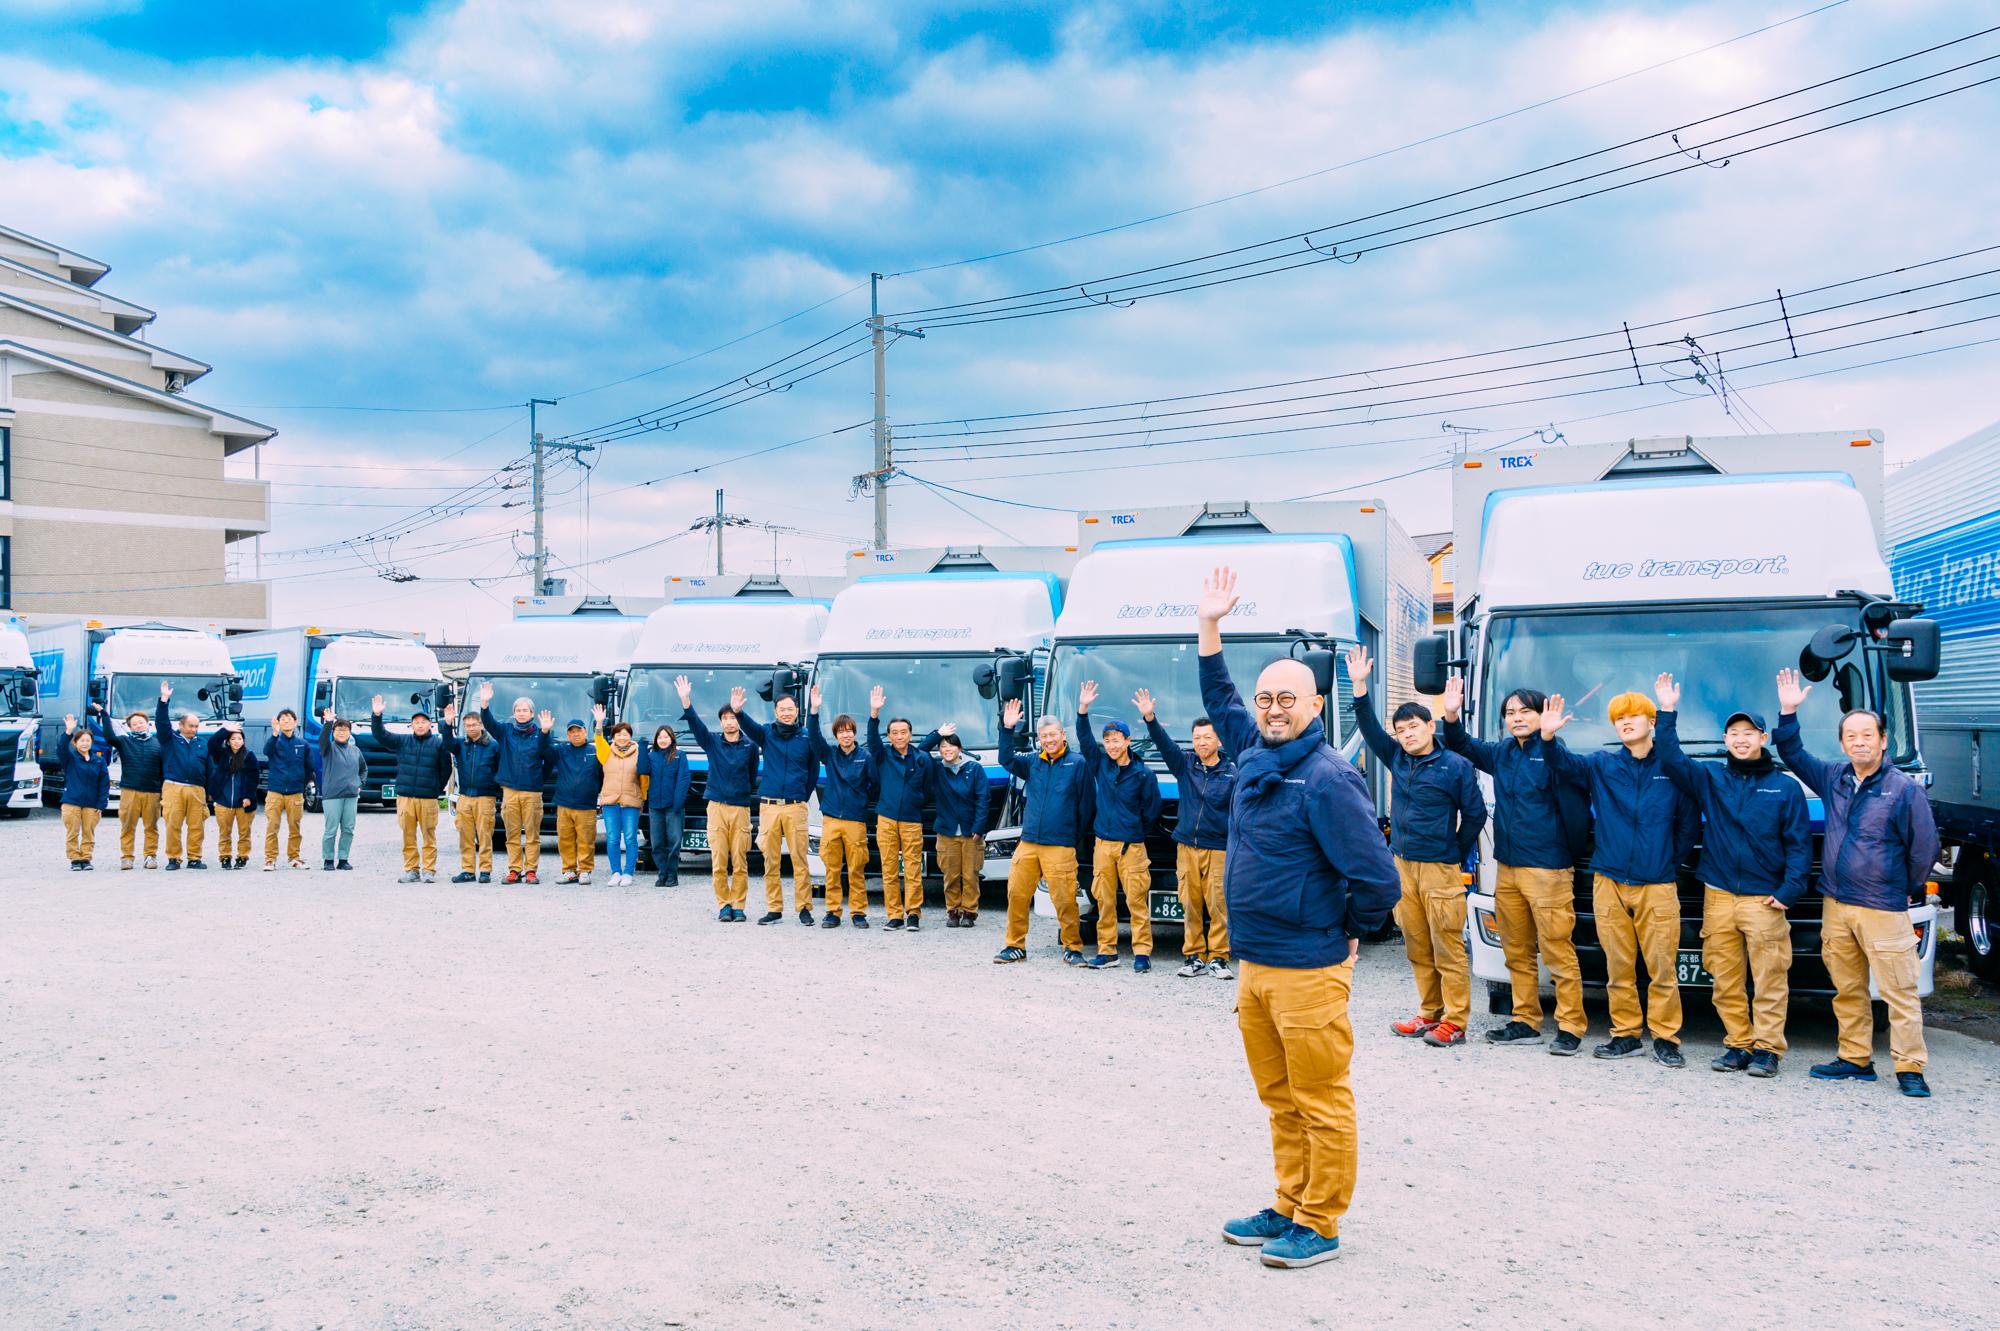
[1979, 924]
[1499, 999]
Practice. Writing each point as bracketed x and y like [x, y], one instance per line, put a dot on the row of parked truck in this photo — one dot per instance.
[1584, 570]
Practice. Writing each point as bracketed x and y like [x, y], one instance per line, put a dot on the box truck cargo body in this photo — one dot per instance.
[20, 723]
[1588, 570]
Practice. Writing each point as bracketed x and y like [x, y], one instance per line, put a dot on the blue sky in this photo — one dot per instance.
[465, 205]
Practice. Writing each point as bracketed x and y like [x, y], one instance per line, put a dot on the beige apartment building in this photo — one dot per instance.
[113, 500]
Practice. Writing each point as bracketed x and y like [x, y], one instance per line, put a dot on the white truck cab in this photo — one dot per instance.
[20, 722]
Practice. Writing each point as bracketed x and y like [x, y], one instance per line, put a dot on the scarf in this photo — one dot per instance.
[784, 729]
[1265, 767]
[1761, 765]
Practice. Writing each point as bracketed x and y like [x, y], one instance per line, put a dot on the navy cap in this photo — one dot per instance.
[425, 715]
[1752, 717]
[576, 725]
[1118, 726]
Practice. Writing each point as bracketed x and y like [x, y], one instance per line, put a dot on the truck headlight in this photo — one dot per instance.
[1002, 847]
[1489, 928]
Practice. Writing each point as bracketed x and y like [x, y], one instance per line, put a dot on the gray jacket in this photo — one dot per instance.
[342, 768]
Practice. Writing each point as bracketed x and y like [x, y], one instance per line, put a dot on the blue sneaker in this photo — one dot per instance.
[1913, 1085]
[1102, 962]
[1299, 1246]
[1072, 957]
[1253, 1231]
[1140, 965]
[725, 915]
[1009, 954]
[1842, 1070]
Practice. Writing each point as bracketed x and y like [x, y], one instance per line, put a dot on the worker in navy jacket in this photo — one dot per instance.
[423, 767]
[1127, 799]
[476, 755]
[1534, 886]
[1879, 851]
[291, 763]
[732, 785]
[1435, 815]
[86, 764]
[1204, 779]
[1756, 846]
[1642, 820]
[789, 773]
[527, 757]
[903, 778]
[846, 793]
[579, 781]
[665, 769]
[1308, 877]
[184, 803]
[961, 792]
[1055, 812]
[232, 793]
[139, 777]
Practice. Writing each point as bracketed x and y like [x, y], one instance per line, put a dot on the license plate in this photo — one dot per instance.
[1167, 906]
[1687, 970]
[388, 791]
[695, 840]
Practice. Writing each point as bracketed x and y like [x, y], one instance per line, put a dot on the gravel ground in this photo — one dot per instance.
[303, 1100]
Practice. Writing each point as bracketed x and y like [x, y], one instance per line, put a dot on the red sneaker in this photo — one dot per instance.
[531, 877]
[513, 876]
[1413, 1027]
[1444, 1034]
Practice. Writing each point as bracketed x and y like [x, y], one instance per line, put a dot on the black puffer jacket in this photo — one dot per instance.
[422, 765]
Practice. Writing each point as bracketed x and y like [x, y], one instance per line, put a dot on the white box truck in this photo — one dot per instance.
[1586, 570]
[120, 668]
[1943, 529]
[20, 722]
[1314, 577]
[310, 671]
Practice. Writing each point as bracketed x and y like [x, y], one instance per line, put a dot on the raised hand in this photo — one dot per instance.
[1359, 663]
[451, 713]
[1667, 693]
[737, 699]
[1218, 596]
[814, 695]
[375, 704]
[1451, 703]
[166, 690]
[1087, 695]
[69, 723]
[597, 714]
[876, 697]
[1554, 718]
[547, 719]
[685, 689]
[1791, 693]
[948, 728]
[485, 692]
[1010, 713]
[1143, 700]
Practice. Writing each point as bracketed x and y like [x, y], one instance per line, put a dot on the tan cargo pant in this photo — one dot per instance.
[1733, 927]
[136, 809]
[1537, 914]
[1856, 942]
[1056, 866]
[232, 831]
[475, 833]
[521, 812]
[729, 853]
[278, 806]
[1199, 876]
[1299, 1044]
[1431, 915]
[186, 810]
[1635, 920]
[901, 846]
[80, 832]
[576, 839]
[843, 847]
[960, 860]
[781, 826]
[1116, 864]
[419, 820]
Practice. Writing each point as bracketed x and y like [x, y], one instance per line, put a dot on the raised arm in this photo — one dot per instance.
[1171, 754]
[752, 727]
[1010, 717]
[702, 738]
[378, 730]
[1816, 774]
[1681, 769]
[1569, 766]
[876, 749]
[1234, 725]
[1360, 665]
[1451, 706]
[163, 720]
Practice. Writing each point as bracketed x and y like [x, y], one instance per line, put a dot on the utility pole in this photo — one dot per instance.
[718, 533]
[538, 584]
[884, 459]
[717, 524]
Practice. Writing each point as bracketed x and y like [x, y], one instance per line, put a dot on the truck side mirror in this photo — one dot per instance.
[601, 687]
[1430, 667]
[1817, 658]
[1911, 649]
[444, 695]
[1321, 663]
[322, 697]
[99, 691]
[1015, 674]
[235, 710]
[236, 694]
[986, 679]
[785, 682]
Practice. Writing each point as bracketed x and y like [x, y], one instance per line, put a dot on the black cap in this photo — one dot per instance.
[1752, 717]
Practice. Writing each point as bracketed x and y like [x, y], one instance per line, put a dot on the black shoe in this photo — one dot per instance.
[860, 921]
[1514, 1032]
[1620, 1046]
[173, 865]
[806, 916]
[832, 920]
[1565, 1045]
[1667, 1054]
[659, 880]
[913, 922]
[673, 880]
[723, 915]
[326, 866]
[88, 867]
[462, 878]
[895, 923]
[771, 917]
[1731, 1060]
[343, 865]
[1913, 1085]
[486, 877]
[1763, 1063]
[197, 864]
[75, 865]
[951, 918]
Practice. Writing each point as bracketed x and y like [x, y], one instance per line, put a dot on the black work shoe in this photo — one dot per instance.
[1566, 1045]
[832, 920]
[1514, 1032]
[343, 865]
[806, 916]
[1620, 1046]
[860, 921]
[771, 917]
[326, 865]
[895, 922]
[1913, 1085]
[1731, 1060]
[1763, 1063]
[173, 865]
[486, 877]
[197, 864]
[1667, 1054]
[913, 921]
[462, 878]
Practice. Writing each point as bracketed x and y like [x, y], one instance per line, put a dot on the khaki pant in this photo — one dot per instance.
[419, 820]
[1056, 866]
[1634, 921]
[901, 846]
[843, 845]
[780, 826]
[232, 832]
[80, 832]
[960, 859]
[1431, 915]
[1859, 941]
[136, 809]
[475, 833]
[521, 812]
[576, 839]
[186, 809]
[1199, 875]
[1123, 863]
[729, 853]
[1732, 927]
[1537, 914]
[278, 806]
[1298, 1041]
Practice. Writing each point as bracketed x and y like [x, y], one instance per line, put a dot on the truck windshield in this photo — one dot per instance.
[650, 699]
[929, 690]
[1166, 667]
[17, 693]
[1724, 660]
[567, 697]
[141, 693]
[401, 698]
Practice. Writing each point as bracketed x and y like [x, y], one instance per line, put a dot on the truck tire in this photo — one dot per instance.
[1499, 999]
[1979, 923]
